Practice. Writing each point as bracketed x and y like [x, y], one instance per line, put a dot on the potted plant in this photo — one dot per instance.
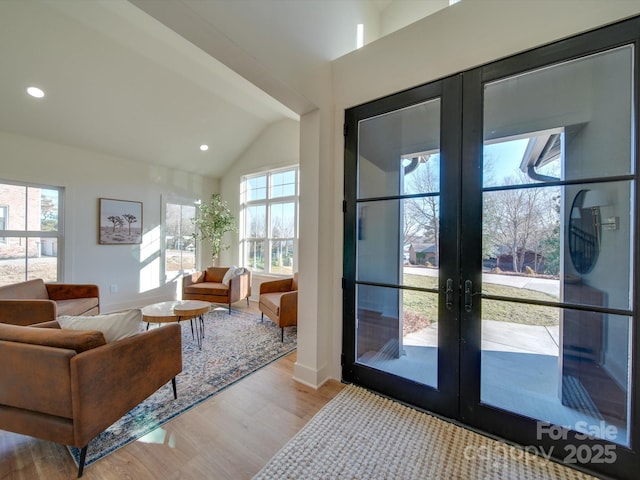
[213, 219]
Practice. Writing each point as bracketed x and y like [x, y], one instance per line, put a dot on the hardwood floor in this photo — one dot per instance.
[230, 436]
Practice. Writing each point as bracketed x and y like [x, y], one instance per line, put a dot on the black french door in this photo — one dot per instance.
[490, 240]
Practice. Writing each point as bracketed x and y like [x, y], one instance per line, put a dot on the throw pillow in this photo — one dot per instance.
[229, 275]
[114, 326]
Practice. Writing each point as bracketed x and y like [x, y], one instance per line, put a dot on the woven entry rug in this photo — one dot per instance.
[234, 346]
[361, 435]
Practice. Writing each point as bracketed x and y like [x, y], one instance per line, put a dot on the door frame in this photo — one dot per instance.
[443, 399]
[466, 340]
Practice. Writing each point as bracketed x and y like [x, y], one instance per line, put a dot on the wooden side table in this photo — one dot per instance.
[177, 311]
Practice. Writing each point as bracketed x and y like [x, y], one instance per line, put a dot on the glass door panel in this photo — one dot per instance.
[557, 250]
[397, 255]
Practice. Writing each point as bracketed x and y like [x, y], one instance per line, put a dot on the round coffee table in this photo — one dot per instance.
[177, 311]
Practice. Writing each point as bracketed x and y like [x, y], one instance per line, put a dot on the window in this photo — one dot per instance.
[269, 221]
[4, 215]
[30, 232]
[179, 245]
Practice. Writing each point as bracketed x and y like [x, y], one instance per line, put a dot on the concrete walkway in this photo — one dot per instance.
[545, 285]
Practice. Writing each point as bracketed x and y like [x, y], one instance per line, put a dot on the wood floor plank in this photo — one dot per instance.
[230, 436]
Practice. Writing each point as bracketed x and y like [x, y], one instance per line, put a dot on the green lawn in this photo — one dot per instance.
[423, 307]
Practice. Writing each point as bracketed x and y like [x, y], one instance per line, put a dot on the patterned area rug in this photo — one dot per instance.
[234, 346]
[361, 435]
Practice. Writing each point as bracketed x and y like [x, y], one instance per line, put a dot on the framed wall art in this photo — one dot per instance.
[120, 222]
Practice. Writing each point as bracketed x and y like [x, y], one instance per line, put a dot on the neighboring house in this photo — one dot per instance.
[423, 254]
[504, 261]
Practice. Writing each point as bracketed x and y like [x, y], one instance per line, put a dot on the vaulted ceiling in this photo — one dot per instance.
[139, 79]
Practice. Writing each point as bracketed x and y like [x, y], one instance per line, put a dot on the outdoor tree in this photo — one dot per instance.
[213, 219]
[518, 220]
[48, 214]
[422, 214]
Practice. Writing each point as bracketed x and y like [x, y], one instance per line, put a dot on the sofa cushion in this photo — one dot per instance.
[31, 289]
[76, 306]
[207, 288]
[114, 326]
[52, 337]
[272, 301]
[215, 274]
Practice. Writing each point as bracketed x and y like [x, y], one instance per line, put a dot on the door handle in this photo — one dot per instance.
[448, 299]
[468, 302]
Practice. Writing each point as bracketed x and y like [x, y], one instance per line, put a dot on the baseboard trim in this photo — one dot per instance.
[310, 377]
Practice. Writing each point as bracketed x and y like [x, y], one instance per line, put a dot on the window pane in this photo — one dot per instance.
[283, 184]
[255, 254]
[553, 357]
[180, 246]
[256, 221]
[49, 200]
[397, 332]
[12, 198]
[392, 146]
[256, 188]
[282, 257]
[282, 220]
[12, 260]
[580, 113]
[42, 261]
[422, 174]
[397, 238]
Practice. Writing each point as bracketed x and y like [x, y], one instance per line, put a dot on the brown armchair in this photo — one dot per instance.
[67, 386]
[208, 286]
[279, 301]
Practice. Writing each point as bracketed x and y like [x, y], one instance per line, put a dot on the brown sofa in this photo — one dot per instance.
[208, 286]
[279, 301]
[67, 386]
[35, 301]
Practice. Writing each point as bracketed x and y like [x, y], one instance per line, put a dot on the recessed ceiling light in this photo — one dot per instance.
[35, 92]
[204, 148]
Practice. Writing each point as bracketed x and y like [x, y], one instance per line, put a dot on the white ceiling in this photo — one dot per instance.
[119, 81]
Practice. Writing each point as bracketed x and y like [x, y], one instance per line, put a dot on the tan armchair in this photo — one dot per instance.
[208, 286]
[67, 386]
[279, 301]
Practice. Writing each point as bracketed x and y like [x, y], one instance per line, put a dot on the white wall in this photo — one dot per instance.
[401, 13]
[277, 146]
[87, 176]
[471, 33]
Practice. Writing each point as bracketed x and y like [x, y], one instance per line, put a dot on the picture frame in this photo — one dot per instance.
[119, 222]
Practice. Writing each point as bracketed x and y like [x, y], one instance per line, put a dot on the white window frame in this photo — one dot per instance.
[58, 235]
[184, 202]
[267, 241]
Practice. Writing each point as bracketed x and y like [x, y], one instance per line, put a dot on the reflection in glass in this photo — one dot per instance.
[397, 332]
[584, 231]
[562, 366]
[398, 236]
[395, 147]
[561, 122]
